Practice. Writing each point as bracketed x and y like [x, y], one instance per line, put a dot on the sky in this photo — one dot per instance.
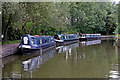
[116, 1]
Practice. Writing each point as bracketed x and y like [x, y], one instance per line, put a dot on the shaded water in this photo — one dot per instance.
[91, 59]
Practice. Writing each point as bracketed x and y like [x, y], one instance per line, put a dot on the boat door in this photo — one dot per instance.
[25, 40]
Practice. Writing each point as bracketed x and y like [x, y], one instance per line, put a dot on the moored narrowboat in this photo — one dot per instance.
[90, 36]
[33, 43]
[61, 39]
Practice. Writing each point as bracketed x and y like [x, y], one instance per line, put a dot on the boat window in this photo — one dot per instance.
[60, 37]
[63, 37]
[40, 41]
[73, 36]
[69, 37]
[52, 38]
[76, 36]
[45, 40]
[56, 37]
[25, 40]
[32, 40]
[66, 37]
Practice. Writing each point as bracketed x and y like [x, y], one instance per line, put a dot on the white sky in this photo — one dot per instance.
[116, 1]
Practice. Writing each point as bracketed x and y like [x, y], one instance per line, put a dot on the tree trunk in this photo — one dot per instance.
[23, 26]
[31, 29]
[77, 20]
[72, 20]
[8, 23]
[107, 30]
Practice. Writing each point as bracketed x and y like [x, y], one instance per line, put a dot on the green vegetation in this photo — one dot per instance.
[117, 30]
[14, 41]
[119, 36]
[39, 18]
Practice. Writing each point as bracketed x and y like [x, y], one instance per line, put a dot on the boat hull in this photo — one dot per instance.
[41, 49]
[66, 42]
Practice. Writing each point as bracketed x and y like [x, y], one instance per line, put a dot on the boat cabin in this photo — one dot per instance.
[91, 35]
[66, 36]
[36, 42]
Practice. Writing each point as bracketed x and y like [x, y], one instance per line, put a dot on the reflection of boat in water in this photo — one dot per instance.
[61, 49]
[32, 62]
[86, 43]
[69, 51]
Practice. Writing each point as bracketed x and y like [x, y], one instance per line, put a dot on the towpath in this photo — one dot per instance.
[8, 49]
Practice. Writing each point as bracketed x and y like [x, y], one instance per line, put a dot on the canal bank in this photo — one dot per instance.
[9, 49]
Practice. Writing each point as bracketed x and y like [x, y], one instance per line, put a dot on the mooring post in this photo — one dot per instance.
[40, 50]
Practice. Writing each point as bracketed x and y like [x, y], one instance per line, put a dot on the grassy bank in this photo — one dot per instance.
[10, 42]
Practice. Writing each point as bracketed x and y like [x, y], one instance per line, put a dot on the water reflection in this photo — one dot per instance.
[86, 43]
[113, 74]
[35, 62]
[68, 50]
[28, 63]
[69, 61]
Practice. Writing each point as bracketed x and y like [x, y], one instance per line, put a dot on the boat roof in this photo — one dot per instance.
[36, 36]
[92, 34]
[66, 34]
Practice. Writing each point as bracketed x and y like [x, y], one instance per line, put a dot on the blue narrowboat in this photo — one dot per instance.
[66, 38]
[90, 36]
[31, 43]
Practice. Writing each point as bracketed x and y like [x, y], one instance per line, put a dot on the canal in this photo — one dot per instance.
[90, 59]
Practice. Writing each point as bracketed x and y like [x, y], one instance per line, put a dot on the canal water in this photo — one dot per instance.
[86, 59]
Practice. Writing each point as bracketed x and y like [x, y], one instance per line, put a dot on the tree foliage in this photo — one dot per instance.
[50, 18]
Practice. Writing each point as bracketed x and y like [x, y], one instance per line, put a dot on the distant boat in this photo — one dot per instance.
[66, 38]
[89, 36]
[31, 43]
